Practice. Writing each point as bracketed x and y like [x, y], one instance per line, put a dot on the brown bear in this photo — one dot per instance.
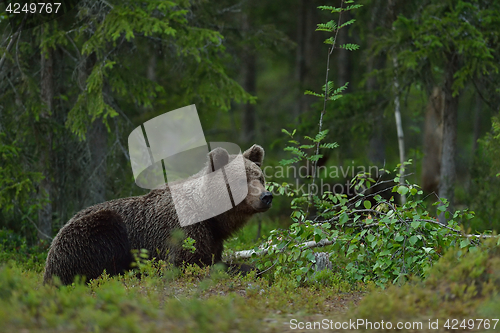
[101, 236]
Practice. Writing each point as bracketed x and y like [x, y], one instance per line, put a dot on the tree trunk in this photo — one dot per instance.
[97, 141]
[433, 141]
[477, 123]
[250, 85]
[376, 147]
[151, 70]
[46, 185]
[450, 115]
[97, 138]
[300, 58]
[399, 128]
[391, 14]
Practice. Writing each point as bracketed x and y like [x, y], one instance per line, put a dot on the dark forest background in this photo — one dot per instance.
[72, 90]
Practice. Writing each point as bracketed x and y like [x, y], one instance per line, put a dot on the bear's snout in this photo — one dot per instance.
[266, 198]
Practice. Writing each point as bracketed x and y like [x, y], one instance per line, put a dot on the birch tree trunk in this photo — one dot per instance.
[399, 127]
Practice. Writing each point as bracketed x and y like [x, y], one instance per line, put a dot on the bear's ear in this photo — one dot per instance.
[255, 154]
[218, 158]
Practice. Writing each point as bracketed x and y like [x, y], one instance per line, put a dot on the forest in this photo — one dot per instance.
[380, 122]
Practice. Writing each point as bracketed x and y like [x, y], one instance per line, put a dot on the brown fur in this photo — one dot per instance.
[150, 222]
[87, 240]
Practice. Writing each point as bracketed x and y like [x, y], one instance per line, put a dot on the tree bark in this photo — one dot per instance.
[392, 10]
[300, 58]
[450, 116]
[98, 146]
[376, 147]
[46, 185]
[477, 123]
[151, 70]
[399, 128]
[250, 85]
[433, 141]
[97, 141]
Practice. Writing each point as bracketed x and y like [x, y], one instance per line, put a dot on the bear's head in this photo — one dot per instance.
[231, 187]
[251, 183]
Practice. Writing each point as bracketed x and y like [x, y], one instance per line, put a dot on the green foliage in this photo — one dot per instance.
[462, 283]
[330, 93]
[16, 184]
[100, 73]
[113, 304]
[377, 239]
[426, 40]
[104, 35]
[14, 248]
[485, 181]
[188, 244]
[194, 301]
[373, 238]
[491, 143]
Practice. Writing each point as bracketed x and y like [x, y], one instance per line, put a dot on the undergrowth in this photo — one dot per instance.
[461, 286]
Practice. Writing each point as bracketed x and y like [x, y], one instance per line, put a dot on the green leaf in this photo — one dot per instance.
[331, 145]
[349, 47]
[385, 252]
[352, 247]
[464, 243]
[343, 218]
[328, 27]
[309, 92]
[402, 190]
[367, 204]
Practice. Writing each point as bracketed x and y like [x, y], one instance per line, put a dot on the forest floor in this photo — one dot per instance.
[461, 293]
[199, 300]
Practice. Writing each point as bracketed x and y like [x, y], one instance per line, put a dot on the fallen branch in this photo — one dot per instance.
[245, 254]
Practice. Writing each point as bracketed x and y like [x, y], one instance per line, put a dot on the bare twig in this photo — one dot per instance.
[12, 39]
[118, 142]
[34, 224]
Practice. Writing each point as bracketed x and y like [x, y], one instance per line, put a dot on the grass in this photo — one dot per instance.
[163, 299]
